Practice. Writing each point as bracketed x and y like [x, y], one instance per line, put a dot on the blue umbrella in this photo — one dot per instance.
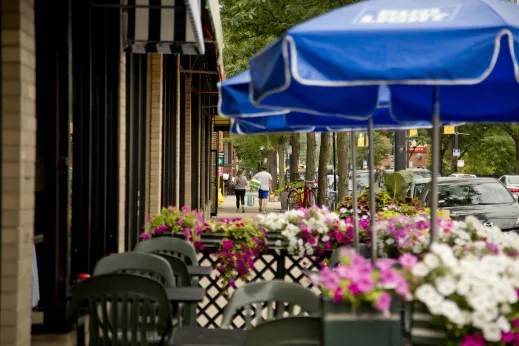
[463, 50]
[248, 119]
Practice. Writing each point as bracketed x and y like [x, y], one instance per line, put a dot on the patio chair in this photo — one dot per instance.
[142, 264]
[364, 251]
[182, 279]
[288, 331]
[169, 246]
[278, 297]
[124, 309]
[147, 265]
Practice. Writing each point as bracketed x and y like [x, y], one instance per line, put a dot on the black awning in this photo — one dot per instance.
[164, 26]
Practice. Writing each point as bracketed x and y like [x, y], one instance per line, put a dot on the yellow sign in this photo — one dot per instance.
[449, 130]
[361, 142]
[413, 132]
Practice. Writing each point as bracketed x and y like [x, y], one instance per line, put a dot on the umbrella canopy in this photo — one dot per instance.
[249, 119]
[335, 63]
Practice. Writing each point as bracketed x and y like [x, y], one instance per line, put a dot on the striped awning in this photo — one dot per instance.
[164, 26]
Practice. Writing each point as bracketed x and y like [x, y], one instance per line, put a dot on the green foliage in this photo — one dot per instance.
[383, 148]
[395, 185]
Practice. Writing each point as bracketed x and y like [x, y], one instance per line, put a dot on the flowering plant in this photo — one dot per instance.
[309, 232]
[185, 221]
[474, 297]
[242, 244]
[357, 282]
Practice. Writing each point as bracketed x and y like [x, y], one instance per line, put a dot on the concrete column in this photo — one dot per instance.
[177, 137]
[18, 170]
[188, 148]
[155, 162]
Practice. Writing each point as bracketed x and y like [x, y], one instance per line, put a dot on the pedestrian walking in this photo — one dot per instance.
[265, 179]
[239, 190]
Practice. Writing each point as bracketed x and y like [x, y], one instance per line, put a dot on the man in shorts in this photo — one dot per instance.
[265, 179]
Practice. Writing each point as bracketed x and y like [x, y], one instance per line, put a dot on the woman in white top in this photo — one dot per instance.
[239, 190]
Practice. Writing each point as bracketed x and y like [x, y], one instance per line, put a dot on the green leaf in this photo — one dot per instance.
[395, 185]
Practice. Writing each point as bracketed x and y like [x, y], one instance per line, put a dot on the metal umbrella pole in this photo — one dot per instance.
[356, 239]
[372, 211]
[435, 163]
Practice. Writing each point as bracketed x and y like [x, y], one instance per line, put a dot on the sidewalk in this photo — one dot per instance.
[228, 207]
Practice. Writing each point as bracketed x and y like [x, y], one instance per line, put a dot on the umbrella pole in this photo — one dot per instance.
[372, 206]
[356, 239]
[435, 163]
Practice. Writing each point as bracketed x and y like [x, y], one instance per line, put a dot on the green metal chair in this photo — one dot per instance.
[124, 309]
[364, 251]
[278, 297]
[169, 246]
[182, 279]
[290, 331]
[147, 265]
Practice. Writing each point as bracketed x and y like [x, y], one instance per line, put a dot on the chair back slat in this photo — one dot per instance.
[109, 299]
[142, 264]
[286, 332]
[260, 297]
[169, 246]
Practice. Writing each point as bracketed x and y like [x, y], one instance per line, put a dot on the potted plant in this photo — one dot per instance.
[466, 299]
[361, 301]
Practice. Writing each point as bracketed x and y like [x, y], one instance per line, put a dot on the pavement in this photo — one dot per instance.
[228, 207]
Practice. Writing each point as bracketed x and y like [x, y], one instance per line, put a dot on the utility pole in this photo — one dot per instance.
[334, 168]
[400, 150]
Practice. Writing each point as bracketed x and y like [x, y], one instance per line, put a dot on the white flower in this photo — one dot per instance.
[420, 270]
[492, 332]
[503, 324]
[446, 285]
[451, 310]
[462, 287]
[278, 243]
[479, 319]
[431, 261]
[505, 308]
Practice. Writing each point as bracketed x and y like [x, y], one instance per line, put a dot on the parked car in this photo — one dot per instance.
[421, 173]
[461, 175]
[484, 198]
[511, 182]
[417, 186]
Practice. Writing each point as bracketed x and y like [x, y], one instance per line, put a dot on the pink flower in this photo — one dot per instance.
[384, 264]
[149, 219]
[145, 236]
[354, 289]
[160, 229]
[227, 244]
[516, 322]
[329, 279]
[473, 340]
[343, 271]
[507, 337]
[232, 283]
[337, 295]
[365, 284]
[407, 260]
[384, 301]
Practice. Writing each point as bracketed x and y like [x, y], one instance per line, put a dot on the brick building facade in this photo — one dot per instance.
[95, 137]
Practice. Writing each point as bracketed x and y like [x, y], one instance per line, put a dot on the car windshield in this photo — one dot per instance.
[422, 173]
[363, 179]
[418, 188]
[454, 195]
[513, 180]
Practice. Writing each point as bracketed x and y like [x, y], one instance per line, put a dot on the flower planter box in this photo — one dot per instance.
[423, 331]
[362, 327]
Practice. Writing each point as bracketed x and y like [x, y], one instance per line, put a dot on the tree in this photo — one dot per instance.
[322, 187]
[310, 156]
[513, 131]
[294, 158]
[342, 148]
[383, 148]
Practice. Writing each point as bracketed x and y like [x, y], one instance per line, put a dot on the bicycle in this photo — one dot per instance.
[305, 198]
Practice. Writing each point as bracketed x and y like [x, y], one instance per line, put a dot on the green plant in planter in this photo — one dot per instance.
[395, 185]
[241, 245]
[362, 301]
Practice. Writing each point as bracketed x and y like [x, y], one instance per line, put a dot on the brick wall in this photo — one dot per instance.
[155, 162]
[122, 156]
[188, 148]
[18, 160]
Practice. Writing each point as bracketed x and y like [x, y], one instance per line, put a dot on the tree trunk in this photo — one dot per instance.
[342, 148]
[310, 156]
[273, 168]
[516, 156]
[294, 159]
[322, 189]
[281, 154]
